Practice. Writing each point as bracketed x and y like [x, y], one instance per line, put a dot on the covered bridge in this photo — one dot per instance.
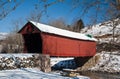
[45, 39]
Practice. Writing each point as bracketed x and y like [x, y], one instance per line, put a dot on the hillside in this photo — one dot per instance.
[102, 28]
[104, 31]
[107, 58]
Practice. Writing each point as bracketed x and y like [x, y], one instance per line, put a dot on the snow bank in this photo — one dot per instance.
[102, 28]
[30, 73]
[20, 55]
[104, 31]
[13, 61]
[108, 62]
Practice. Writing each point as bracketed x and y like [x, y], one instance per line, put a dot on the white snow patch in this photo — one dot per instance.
[33, 73]
[55, 60]
[3, 35]
[61, 63]
[20, 55]
[30, 73]
[108, 62]
[102, 29]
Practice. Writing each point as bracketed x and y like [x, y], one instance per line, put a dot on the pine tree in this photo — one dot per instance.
[78, 26]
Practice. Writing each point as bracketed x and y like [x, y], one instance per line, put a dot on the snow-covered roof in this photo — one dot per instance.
[57, 31]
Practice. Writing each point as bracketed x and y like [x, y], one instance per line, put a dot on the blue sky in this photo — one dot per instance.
[59, 10]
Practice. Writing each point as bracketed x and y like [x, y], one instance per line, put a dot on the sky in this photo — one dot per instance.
[59, 10]
[23, 11]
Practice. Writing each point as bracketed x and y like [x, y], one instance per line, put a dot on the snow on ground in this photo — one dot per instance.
[108, 62]
[13, 61]
[30, 73]
[55, 60]
[102, 28]
[56, 63]
[104, 31]
[3, 35]
[61, 63]
[20, 55]
[105, 40]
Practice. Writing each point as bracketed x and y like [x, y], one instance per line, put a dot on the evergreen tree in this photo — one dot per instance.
[78, 26]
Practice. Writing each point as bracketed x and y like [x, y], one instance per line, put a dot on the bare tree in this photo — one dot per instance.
[35, 15]
[59, 23]
[7, 6]
[14, 41]
[87, 5]
[16, 25]
[115, 33]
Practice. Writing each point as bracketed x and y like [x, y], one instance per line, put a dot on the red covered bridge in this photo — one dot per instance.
[45, 39]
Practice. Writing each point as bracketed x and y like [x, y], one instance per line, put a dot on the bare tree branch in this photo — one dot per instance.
[59, 23]
[35, 15]
[7, 6]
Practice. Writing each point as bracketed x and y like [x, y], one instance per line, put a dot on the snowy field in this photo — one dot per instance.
[107, 63]
[30, 73]
[34, 73]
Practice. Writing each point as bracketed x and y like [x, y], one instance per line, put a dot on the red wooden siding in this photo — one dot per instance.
[61, 46]
[29, 28]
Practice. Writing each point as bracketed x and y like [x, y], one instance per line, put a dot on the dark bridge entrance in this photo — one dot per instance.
[33, 43]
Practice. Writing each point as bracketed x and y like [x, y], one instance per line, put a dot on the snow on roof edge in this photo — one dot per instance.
[62, 32]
